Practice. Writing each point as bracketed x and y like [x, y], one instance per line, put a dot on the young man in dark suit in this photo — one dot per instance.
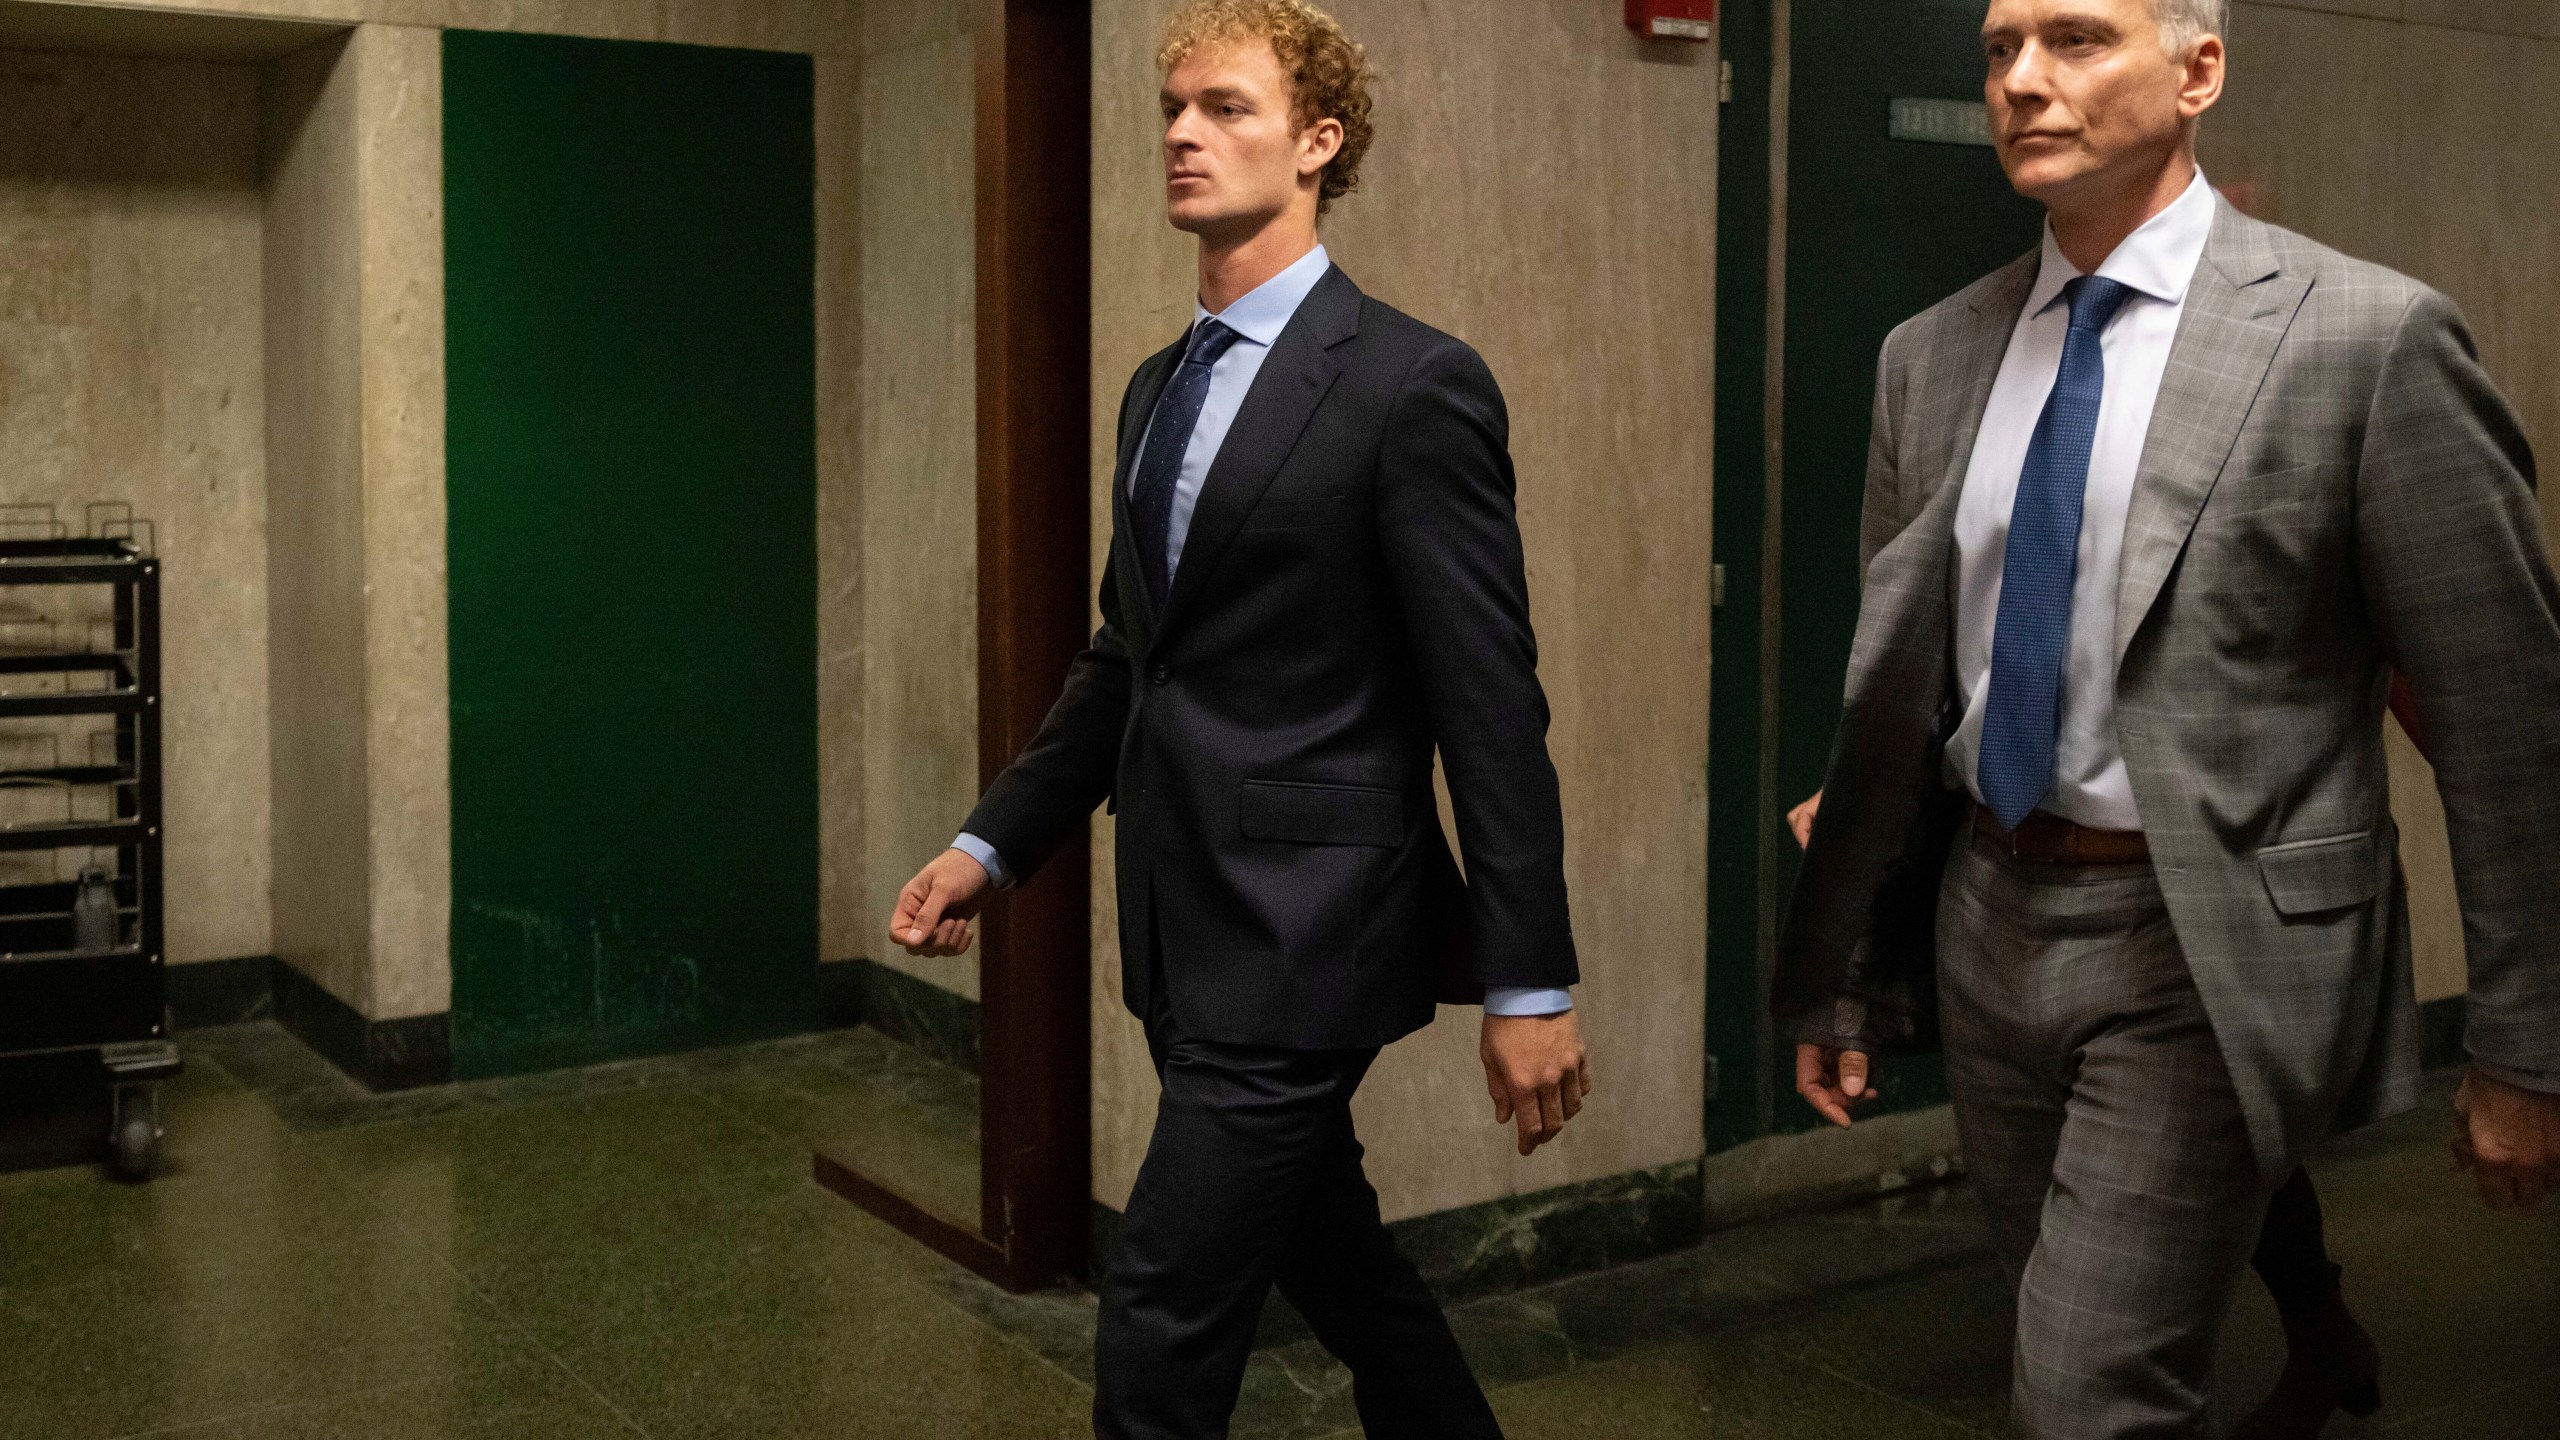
[1315, 581]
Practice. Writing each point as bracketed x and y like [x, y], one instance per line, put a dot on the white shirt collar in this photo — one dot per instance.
[2159, 259]
[1263, 312]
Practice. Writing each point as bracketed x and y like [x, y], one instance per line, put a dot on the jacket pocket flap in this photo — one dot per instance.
[2305, 877]
[1311, 814]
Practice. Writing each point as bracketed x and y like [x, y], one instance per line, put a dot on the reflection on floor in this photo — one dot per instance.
[638, 1249]
[886, 1109]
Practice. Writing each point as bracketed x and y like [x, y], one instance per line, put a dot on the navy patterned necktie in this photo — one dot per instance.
[2033, 633]
[1160, 463]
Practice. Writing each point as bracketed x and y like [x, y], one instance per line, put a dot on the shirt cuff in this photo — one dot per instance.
[2543, 1081]
[985, 854]
[1525, 1000]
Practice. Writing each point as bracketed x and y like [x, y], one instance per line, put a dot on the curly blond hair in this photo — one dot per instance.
[1328, 72]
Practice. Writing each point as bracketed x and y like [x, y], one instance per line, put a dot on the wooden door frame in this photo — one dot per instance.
[1034, 360]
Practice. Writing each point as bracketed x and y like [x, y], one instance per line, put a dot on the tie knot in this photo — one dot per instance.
[1209, 340]
[2094, 300]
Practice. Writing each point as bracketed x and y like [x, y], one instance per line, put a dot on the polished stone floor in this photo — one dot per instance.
[638, 1249]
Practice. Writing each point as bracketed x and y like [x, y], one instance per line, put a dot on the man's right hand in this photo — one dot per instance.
[2508, 1137]
[935, 908]
[1832, 1081]
[1800, 820]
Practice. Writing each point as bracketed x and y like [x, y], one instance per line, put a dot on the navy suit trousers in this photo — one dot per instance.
[1252, 1179]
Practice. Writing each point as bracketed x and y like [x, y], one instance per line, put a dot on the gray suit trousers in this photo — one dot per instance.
[2103, 1132]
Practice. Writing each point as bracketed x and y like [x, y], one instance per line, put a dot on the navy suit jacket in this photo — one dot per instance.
[1351, 597]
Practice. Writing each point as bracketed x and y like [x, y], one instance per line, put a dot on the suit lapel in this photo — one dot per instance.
[1145, 388]
[1286, 391]
[1899, 658]
[2238, 308]
[1972, 362]
[1906, 614]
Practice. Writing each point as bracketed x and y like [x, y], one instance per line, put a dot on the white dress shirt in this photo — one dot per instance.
[1257, 317]
[2090, 785]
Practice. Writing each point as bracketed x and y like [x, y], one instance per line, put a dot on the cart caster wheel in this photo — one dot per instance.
[137, 1144]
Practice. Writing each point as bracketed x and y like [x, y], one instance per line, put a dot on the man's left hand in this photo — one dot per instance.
[1537, 1071]
[2508, 1137]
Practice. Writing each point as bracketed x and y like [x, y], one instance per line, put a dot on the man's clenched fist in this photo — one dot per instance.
[1537, 1072]
[935, 909]
[2508, 1137]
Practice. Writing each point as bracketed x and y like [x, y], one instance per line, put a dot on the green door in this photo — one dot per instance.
[1874, 229]
[631, 531]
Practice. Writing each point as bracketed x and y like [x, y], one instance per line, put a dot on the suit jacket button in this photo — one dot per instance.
[1161, 676]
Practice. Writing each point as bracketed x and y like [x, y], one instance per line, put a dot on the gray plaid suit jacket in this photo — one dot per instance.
[2331, 488]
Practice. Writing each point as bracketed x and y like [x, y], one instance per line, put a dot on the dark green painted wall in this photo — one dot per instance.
[632, 545]
[1738, 1107]
[1877, 231]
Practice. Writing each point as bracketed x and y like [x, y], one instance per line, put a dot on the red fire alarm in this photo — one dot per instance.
[1672, 19]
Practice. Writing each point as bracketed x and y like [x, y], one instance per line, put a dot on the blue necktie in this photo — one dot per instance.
[2034, 629]
[1160, 463]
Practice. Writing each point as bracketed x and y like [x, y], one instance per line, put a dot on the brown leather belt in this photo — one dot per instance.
[2051, 840]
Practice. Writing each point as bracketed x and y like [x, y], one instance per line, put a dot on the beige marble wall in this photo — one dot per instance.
[315, 447]
[919, 463]
[356, 362]
[1144, 281]
[2414, 133]
[2539, 18]
[843, 876]
[1543, 187]
[400, 163]
[129, 370]
[836, 27]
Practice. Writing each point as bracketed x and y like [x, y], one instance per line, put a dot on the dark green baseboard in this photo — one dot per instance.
[380, 1055]
[402, 1054]
[222, 992]
[1525, 1240]
[913, 1012]
[1517, 1241]
[405, 1054]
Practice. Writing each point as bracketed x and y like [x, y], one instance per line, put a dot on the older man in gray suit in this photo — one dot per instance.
[2150, 515]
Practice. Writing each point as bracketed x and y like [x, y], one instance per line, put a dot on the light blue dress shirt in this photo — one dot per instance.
[1257, 318]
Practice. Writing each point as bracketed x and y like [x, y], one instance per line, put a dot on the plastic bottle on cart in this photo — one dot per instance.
[93, 913]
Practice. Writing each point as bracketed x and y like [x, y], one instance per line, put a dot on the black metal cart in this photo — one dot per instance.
[81, 961]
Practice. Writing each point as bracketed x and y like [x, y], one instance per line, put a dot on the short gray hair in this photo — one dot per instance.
[2184, 22]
